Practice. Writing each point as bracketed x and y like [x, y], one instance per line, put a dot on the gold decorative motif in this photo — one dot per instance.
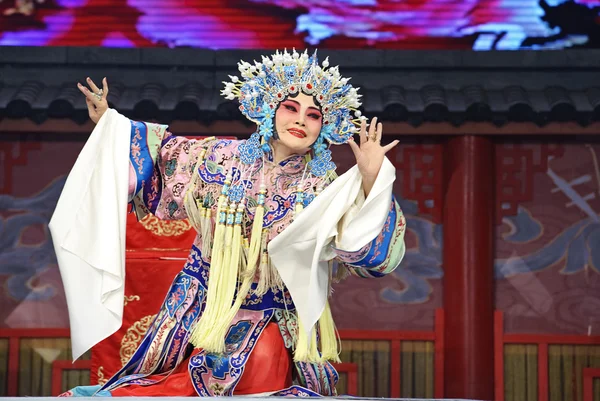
[165, 228]
[101, 378]
[131, 299]
[217, 389]
[133, 336]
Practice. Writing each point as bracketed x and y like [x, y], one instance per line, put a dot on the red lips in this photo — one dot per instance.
[298, 133]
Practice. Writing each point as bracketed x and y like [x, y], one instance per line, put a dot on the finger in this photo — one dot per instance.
[90, 105]
[372, 128]
[92, 85]
[379, 132]
[355, 148]
[390, 146]
[89, 95]
[363, 132]
[82, 89]
[91, 108]
[105, 88]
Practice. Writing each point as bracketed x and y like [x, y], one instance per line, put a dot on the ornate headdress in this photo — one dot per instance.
[265, 84]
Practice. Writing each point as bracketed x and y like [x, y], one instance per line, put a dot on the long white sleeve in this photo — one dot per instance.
[88, 232]
[301, 252]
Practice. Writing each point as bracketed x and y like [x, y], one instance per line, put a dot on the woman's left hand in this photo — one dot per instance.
[370, 154]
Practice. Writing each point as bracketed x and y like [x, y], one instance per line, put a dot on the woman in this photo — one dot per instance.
[249, 312]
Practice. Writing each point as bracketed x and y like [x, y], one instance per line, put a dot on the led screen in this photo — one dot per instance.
[342, 24]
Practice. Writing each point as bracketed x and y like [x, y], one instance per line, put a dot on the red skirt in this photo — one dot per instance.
[269, 368]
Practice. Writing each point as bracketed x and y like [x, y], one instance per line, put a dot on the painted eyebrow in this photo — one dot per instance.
[298, 104]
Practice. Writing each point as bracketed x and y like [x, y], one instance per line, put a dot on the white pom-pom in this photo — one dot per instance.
[230, 96]
[234, 78]
[357, 113]
[326, 62]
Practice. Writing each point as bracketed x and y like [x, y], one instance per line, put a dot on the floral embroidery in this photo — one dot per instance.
[321, 164]
[177, 189]
[172, 207]
[170, 167]
[136, 150]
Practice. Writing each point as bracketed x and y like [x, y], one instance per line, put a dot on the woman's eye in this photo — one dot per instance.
[290, 108]
[314, 116]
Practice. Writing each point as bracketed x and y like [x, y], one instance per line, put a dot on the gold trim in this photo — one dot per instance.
[165, 228]
[133, 336]
[130, 299]
[101, 379]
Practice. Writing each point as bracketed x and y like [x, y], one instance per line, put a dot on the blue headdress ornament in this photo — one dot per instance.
[263, 85]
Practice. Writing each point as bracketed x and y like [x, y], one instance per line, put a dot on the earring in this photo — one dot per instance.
[251, 150]
[266, 131]
[321, 164]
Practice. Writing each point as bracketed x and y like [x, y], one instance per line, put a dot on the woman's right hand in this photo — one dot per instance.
[95, 99]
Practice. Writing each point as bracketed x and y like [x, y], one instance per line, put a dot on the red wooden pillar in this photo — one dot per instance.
[468, 268]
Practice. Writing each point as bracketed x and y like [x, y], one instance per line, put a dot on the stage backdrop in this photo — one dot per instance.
[221, 24]
[548, 262]
[547, 238]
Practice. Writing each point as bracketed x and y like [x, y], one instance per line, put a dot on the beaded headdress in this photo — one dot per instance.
[263, 85]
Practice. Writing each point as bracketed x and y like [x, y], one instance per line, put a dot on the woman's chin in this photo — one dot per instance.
[297, 145]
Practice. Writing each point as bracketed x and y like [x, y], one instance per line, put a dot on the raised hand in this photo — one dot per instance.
[370, 154]
[95, 98]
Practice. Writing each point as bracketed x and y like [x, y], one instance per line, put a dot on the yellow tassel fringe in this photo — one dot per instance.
[234, 265]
